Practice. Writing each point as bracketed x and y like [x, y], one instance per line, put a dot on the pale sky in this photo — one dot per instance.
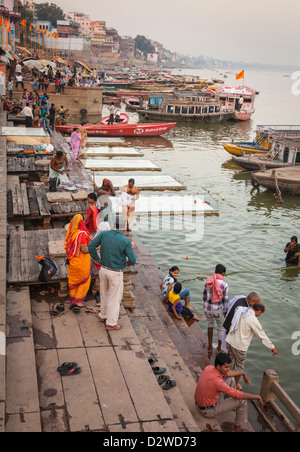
[264, 31]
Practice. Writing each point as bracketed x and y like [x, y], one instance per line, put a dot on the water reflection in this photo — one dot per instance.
[290, 272]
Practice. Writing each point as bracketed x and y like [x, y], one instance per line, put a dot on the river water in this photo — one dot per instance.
[251, 231]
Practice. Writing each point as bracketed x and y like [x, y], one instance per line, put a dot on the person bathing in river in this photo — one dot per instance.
[175, 305]
[167, 284]
[129, 195]
[292, 250]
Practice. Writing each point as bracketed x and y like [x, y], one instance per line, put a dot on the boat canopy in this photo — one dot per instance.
[240, 91]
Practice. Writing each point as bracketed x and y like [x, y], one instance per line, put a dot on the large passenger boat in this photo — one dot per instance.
[241, 99]
[189, 107]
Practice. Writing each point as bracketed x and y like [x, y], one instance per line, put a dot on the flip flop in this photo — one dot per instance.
[152, 361]
[54, 312]
[158, 370]
[60, 307]
[169, 384]
[74, 308]
[66, 366]
[162, 378]
[73, 370]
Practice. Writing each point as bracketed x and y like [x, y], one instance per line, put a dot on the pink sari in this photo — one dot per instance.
[75, 144]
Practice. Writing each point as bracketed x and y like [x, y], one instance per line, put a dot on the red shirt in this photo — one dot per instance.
[209, 386]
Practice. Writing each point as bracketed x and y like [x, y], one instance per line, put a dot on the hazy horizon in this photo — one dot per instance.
[258, 32]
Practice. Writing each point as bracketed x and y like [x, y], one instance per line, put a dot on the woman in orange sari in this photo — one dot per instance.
[76, 246]
[83, 135]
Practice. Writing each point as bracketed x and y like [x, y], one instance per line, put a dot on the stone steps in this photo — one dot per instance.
[21, 397]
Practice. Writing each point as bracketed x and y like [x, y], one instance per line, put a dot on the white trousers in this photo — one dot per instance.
[111, 293]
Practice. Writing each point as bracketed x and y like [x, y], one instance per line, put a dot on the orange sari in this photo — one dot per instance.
[79, 263]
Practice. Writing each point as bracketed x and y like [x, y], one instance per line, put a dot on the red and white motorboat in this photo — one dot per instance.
[121, 130]
[242, 98]
[124, 119]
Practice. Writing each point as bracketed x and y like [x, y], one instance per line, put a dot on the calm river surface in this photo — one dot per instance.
[250, 233]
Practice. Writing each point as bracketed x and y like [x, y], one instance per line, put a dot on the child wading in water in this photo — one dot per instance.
[167, 284]
[175, 306]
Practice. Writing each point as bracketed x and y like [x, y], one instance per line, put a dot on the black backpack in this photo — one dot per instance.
[49, 268]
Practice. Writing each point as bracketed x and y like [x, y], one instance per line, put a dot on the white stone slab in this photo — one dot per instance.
[119, 165]
[102, 140]
[167, 204]
[23, 131]
[154, 182]
[108, 151]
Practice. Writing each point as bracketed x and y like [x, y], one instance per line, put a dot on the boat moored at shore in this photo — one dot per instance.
[240, 98]
[121, 130]
[201, 109]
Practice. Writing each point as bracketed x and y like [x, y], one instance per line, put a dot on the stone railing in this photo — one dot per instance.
[271, 391]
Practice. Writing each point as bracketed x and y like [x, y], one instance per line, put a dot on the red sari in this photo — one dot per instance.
[79, 263]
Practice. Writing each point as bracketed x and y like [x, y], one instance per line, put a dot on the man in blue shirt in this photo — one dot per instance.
[115, 249]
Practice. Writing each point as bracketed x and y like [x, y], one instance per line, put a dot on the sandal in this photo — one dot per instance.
[162, 378]
[169, 384]
[74, 308]
[152, 361]
[74, 371]
[66, 366]
[69, 370]
[158, 370]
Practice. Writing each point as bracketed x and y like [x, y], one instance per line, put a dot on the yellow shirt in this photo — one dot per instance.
[173, 297]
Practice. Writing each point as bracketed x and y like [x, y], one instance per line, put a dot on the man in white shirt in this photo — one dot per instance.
[244, 325]
[27, 111]
[111, 113]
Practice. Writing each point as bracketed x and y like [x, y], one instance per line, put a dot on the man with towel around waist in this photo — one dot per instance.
[115, 248]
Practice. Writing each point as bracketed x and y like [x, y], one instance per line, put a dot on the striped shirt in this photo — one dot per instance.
[209, 306]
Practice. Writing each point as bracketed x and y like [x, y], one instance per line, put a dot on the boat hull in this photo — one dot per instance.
[212, 118]
[256, 164]
[121, 130]
[239, 150]
[243, 115]
[287, 179]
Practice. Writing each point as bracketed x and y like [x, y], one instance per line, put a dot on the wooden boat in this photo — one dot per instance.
[201, 109]
[112, 100]
[284, 153]
[287, 180]
[121, 130]
[266, 136]
[124, 119]
[133, 103]
[240, 148]
[230, 97]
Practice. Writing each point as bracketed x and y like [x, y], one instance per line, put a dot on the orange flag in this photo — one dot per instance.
[9, 29]
[240, 75]
[5, 22]
[23, 23]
